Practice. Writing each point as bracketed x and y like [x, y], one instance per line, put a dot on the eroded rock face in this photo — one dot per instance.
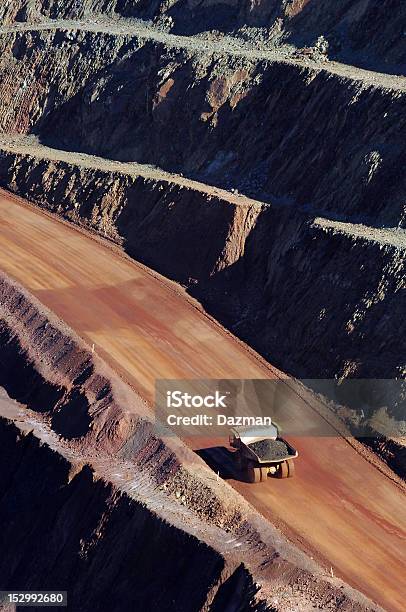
[85, 529]
[76, 521]
[272, 129]
[362, 32]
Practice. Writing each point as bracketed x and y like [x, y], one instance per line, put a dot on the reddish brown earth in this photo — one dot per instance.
[83, 440]
[340, 504]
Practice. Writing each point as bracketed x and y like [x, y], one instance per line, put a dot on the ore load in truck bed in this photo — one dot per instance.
[270, 450]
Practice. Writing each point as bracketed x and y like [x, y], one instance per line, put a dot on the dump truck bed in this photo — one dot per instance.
[263, 445]
[271, 450]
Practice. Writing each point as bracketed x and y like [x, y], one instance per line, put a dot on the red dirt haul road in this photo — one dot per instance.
[339, 505]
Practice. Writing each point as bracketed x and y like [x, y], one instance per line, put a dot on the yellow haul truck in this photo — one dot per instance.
[260, 452]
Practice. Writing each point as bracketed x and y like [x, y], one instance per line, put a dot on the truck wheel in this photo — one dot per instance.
[283, 470]
[253, 473]
[291, 467]
[264, 474]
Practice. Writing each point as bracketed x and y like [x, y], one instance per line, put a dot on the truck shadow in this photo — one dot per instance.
[221, 460]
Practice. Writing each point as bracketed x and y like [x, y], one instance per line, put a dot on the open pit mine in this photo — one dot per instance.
[202, 190]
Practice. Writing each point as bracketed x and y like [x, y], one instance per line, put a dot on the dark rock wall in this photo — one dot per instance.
[80, 535]
[363, 32]
[273, 130]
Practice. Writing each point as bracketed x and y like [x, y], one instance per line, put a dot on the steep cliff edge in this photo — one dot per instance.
[88, 538]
